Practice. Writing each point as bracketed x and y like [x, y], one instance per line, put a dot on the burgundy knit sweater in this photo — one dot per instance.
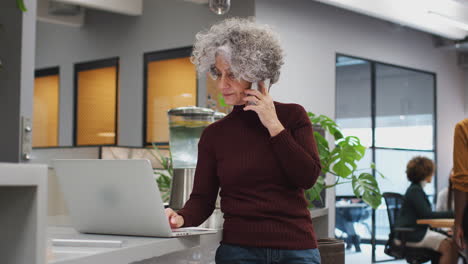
[262, 179]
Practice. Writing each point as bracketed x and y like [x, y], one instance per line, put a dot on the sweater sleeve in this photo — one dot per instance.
[297, 152]
[423, 209]
[460, 157]
[205, 186]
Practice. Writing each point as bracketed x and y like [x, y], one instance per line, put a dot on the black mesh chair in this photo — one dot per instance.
[413, 255]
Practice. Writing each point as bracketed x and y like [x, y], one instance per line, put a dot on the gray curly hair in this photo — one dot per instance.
[252, 50]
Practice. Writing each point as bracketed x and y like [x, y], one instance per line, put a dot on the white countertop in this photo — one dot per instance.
[14, 174]
[133, 249]
[317, 212]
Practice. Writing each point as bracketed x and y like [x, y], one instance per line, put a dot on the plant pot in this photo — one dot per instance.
[331, 251]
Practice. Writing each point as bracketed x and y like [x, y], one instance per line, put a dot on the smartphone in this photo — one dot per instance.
[255, 87]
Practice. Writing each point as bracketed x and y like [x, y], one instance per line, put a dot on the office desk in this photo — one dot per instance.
[437, 223]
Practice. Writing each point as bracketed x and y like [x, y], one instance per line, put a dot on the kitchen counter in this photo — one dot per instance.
[141, 250]
[23, 212]
[318, 212]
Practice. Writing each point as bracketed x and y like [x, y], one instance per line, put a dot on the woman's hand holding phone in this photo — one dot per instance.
[255, 86]
[260, 101]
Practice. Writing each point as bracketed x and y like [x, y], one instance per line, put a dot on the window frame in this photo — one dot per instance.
[374, 106]
[92, 65]
[44, 72]
[373, 113]
[151, 56]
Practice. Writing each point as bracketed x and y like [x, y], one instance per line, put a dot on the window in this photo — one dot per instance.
[392, 110]
[96, 86]
[170, 81]
[45, 108]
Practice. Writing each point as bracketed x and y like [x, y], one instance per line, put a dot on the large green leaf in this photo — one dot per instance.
[366, 187]
[164, 184]
[20, 4]
[163, 180]
[326, 123]
[313, 194]
[322, 144]
[323, 150]
[347, 152]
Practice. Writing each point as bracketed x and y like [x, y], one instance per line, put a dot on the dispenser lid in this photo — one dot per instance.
[219, 115]
[191, 111]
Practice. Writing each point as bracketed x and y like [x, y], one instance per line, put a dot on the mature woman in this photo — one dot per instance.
[262, 155]
[420, 171]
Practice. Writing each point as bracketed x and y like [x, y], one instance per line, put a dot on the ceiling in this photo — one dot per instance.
[445, 18]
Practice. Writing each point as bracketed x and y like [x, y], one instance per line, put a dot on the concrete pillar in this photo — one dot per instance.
[17, 54]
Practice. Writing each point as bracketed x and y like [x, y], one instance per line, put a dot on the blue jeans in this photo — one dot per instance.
[232, 254]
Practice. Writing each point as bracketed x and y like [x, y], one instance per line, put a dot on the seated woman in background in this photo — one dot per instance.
[420, 171]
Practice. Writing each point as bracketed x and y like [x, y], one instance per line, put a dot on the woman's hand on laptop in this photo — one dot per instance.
[175, 220]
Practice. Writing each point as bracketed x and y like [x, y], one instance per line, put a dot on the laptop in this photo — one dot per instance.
[118, 197]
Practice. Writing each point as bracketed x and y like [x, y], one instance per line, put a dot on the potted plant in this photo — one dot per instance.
[164, 176]
[341, 161]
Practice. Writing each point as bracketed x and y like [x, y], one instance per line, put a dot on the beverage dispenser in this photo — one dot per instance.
[186, 125]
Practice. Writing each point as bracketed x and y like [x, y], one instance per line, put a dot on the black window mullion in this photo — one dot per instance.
[373, 125]
[434, 133]
[149, 57]
[50, 72]
[92, 65]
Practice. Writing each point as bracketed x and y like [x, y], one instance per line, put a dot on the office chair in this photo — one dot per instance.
[413, 255]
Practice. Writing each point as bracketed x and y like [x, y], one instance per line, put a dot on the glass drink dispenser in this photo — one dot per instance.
[186, 125]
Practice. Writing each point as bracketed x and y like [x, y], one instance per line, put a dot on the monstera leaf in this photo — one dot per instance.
[313, 194]
[20, 4]
[326, 123]
[347, 153]
[366, 186]
[323, 150]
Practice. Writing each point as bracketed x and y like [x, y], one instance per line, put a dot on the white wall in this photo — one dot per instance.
[312, 33]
